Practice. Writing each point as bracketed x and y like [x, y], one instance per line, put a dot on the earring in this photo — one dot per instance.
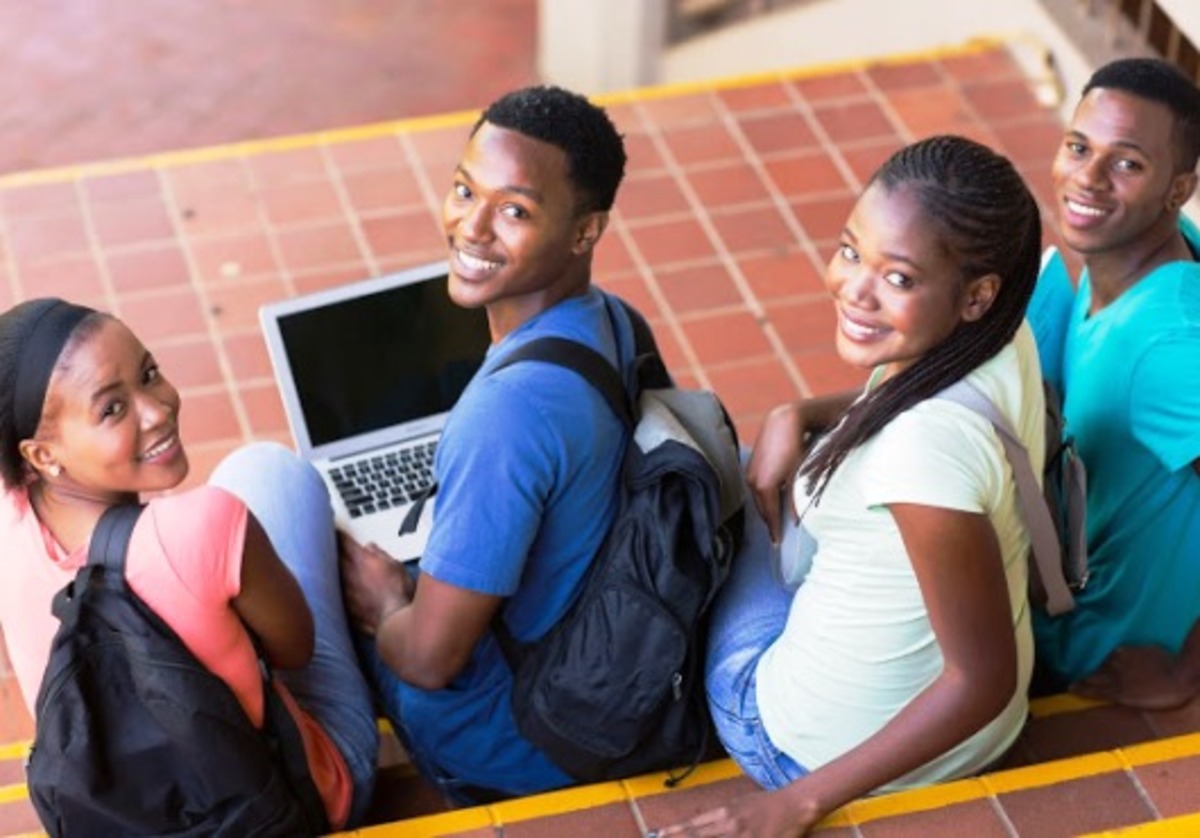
[55, 469]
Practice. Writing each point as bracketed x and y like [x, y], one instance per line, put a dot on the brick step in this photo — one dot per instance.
[1079, 767]
[1151, 786]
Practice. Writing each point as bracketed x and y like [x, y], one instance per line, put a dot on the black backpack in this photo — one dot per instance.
[135, 737]
[616, 687]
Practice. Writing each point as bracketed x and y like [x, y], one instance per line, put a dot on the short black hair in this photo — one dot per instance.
[595, 151]
[1162, 82]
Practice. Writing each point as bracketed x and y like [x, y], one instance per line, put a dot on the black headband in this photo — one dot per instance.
[38, 353]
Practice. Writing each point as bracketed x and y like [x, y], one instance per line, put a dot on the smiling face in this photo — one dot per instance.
[518, 243]
[896, 283]
[1116, 175]
[111, 426]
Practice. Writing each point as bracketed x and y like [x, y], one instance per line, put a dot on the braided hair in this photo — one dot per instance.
[977, 202]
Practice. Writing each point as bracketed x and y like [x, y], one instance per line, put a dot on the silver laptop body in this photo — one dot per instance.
[367, 373]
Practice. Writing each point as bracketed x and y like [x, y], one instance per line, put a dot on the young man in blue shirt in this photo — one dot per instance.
[1125, 349]
[528, 463]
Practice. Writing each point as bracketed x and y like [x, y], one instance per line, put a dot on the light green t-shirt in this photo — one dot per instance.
[858, 645]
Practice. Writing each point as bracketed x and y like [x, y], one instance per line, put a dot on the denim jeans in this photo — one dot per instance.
[750, 613]
[462, 738]
[392, 693]
[290, 500]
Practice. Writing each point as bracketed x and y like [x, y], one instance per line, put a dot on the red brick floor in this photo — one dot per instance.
[734, 196]
[94, 81]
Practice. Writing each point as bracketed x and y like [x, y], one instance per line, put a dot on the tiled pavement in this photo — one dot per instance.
[735, 194]
[89, 81]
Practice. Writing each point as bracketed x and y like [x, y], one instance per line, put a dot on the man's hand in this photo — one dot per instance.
[1147, 677]
[374, 585]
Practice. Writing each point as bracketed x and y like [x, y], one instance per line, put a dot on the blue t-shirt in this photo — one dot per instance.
[527, 470]
[1131, 384]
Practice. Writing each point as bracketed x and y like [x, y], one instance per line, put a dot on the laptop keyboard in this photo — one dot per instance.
[381, 481]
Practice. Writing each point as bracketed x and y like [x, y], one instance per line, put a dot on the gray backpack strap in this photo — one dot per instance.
[1042, 534]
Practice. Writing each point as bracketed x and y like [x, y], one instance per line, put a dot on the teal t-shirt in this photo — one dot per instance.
[1130, 376]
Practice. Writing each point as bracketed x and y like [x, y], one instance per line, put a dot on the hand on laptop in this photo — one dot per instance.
[373, 583]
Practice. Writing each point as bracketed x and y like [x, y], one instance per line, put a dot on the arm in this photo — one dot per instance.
[779, 449]
[1148, 677]
[957, 561]
[271, 603]
[424, 632]
[495, 486]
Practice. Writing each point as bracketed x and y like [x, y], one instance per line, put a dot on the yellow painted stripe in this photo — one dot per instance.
[14, 792]
[557, 802]
[648, 785]
[1161, 750]
[209, 154]
[14, 750]
[837, 819]
[194, 156]
[855, 813]
[1049, 773]
[1054, 705]
[1167, 828]
[915, 800]
[448, 823]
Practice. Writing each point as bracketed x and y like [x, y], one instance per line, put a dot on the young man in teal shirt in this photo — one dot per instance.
[1125, 349]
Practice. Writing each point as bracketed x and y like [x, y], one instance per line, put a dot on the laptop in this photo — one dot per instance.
[368, 372]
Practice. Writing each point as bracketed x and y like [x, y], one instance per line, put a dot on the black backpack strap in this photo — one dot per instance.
[412, 518]
[651, 371]
[110, 538]
[286, 741]
[108, 548]
[584, 361]
[106, 552]
[595, 369]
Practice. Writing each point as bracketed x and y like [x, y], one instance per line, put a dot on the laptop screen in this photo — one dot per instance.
[369, 362]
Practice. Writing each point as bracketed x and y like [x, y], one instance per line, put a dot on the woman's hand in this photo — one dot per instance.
[773, 463]
[374, 585]
[779, 450]
[764, 814]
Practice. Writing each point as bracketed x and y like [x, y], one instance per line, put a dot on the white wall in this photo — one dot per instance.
[824, 31]
[1186, 14]
[595, 46]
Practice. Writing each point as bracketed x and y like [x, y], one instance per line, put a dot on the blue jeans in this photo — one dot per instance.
[463, 738]
[749, 614]
[289, 499]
